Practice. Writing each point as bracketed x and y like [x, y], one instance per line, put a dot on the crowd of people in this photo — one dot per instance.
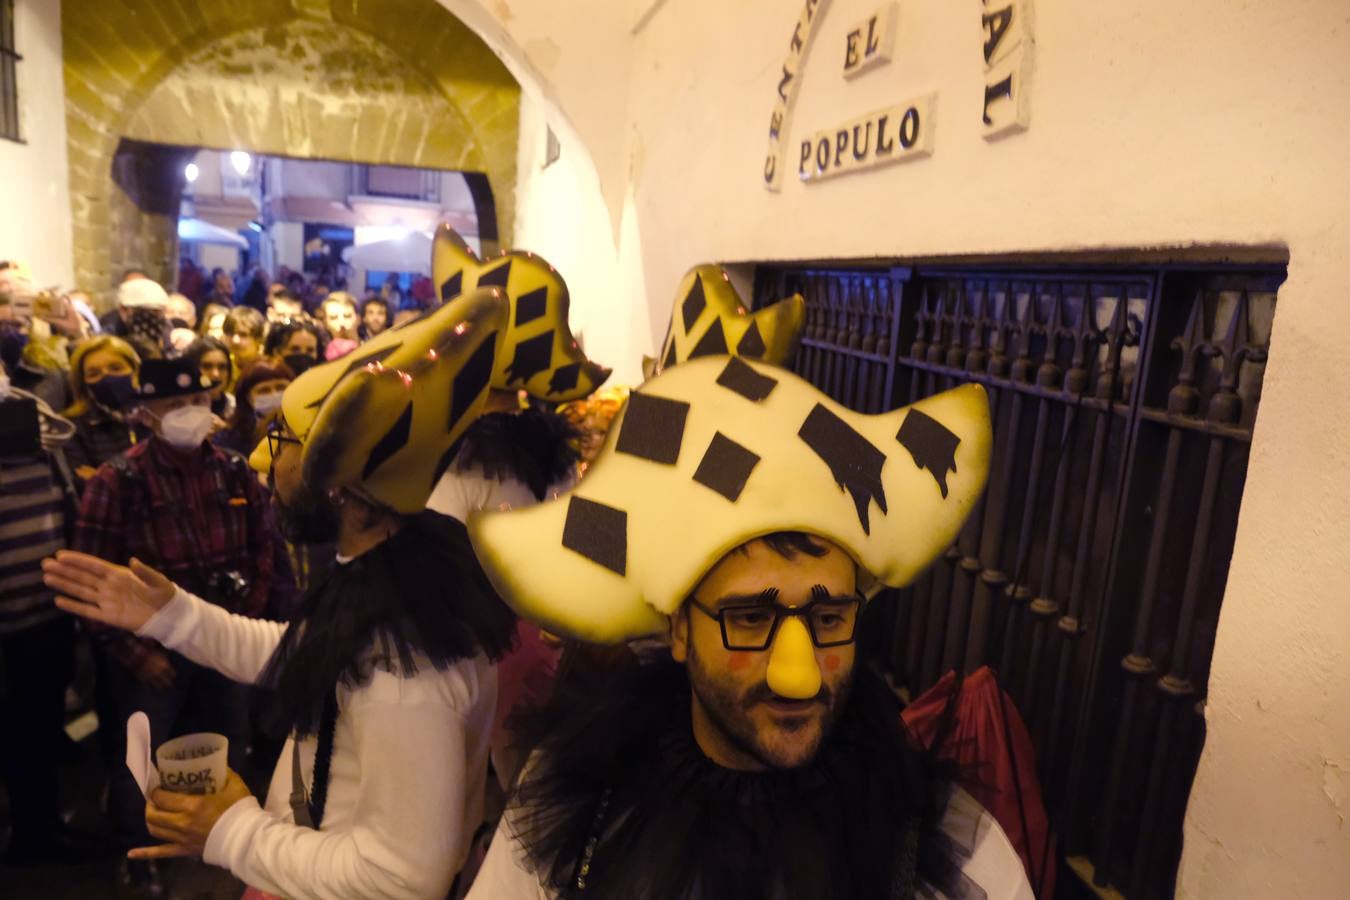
[158, 402]
[488, 655]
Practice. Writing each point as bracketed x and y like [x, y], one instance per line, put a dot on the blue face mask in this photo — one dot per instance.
[113, 392]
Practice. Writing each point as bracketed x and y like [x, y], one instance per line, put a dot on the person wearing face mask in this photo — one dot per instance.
[103, 383]
[25, 340]
[298, 342]
[212, 358]
[385, 678]
[182, 505]
[257, 399]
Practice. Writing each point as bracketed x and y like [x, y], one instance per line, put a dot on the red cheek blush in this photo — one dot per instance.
[832, 662]
[738, 662]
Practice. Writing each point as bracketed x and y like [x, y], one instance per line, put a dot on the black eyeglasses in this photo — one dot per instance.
[831, 621]
[276, 436]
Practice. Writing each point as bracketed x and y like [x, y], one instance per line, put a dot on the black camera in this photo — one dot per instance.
[228, 588]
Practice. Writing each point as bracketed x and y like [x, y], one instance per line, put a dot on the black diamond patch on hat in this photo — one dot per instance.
[693, 305]
[713, 342]
[653, 428]
[394, 440]
[497, 277]
[565, 378]
[744, 380]
[531, 358]
[531, 306]
[453, 286]
[726, 467]
[598, 532]
[751, 343]
[854, 462]
[932, 445]
[471, 380]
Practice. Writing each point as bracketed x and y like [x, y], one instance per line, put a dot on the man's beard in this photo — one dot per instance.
[730, 713]
[309, 520]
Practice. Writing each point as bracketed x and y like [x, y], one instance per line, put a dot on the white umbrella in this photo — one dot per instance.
[411, 253]
[196, 231]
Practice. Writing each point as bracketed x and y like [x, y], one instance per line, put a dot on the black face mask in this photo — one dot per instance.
[113, 392]
[308, 521]
[12, 341]
[299, 363]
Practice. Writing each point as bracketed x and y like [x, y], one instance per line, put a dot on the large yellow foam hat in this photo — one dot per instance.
[716, 452]
[709, 318]
[540, 355]
[383, 420]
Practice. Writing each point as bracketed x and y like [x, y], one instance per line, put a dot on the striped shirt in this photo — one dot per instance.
[32, 526]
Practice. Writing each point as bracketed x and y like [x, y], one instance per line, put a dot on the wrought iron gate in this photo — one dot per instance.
[1090, 576]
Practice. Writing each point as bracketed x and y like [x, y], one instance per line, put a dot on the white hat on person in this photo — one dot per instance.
[142, 293]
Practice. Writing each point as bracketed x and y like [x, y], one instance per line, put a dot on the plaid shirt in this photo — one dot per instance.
[97, 439]
[193, 517]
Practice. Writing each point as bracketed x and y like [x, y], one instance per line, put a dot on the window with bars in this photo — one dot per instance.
[1091, 575]
[9, 85]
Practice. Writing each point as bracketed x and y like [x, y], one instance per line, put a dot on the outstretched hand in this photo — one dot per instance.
[121, 596]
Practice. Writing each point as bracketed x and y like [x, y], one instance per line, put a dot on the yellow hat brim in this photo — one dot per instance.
[716, 452]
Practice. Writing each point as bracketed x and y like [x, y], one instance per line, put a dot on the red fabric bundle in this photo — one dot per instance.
[995, 760]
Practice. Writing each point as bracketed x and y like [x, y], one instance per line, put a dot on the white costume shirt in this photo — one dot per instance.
[405, 789]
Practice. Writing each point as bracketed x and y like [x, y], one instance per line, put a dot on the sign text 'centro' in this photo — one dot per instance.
[894, 134]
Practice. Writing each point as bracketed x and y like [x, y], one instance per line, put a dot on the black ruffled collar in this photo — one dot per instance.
[854, 824]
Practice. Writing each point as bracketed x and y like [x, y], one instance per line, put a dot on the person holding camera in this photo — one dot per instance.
[197, 513]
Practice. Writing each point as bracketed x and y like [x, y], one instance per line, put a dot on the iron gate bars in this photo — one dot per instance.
[1123, 401]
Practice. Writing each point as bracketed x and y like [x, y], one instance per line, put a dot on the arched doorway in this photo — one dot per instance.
[407, 84]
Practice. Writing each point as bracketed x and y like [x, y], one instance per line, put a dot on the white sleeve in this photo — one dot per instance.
[503, 875]
[236, 646]
[459, 493]
[408, 824]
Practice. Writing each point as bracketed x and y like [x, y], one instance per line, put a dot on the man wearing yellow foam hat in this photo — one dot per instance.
[386, 679]
[745, 515]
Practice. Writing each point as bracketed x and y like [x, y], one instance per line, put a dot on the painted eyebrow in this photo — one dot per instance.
[766, 597]
[821, 592]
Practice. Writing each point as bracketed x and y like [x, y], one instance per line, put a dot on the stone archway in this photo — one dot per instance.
[404, 84]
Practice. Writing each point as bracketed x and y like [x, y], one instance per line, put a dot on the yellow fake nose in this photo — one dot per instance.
[793, 672]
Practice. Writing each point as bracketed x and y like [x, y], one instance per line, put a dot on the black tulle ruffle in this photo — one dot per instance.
[420, 597]
[857, 823]
[534, 447]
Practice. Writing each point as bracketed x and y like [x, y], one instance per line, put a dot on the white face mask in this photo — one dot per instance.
[267, 404]
[186, 428]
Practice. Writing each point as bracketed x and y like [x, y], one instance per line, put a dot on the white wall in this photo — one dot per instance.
[561, 216]
[1154, 124]
[218, 256]
[314, 178]
[288, 246]
[455, 194]
[34, 179]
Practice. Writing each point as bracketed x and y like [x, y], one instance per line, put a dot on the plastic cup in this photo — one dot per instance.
[193, 763]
